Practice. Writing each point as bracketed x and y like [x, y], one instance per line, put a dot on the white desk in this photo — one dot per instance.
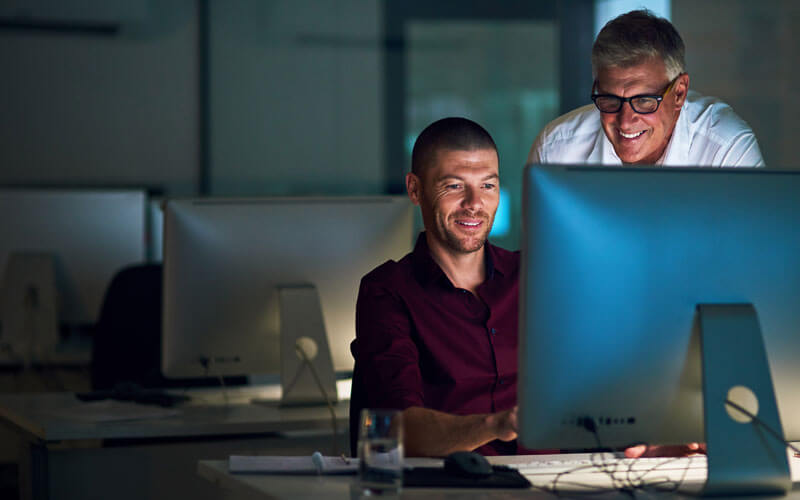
[254, 486]
[62, 456]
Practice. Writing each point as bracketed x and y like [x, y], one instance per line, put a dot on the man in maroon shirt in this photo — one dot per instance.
[436, 331]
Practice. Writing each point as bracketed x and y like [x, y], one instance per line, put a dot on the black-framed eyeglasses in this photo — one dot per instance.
[644, 104]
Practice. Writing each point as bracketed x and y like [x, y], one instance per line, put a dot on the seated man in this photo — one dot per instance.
[436, 331]
[643, 111]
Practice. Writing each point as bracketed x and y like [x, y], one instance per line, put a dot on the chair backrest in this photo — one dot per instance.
[127, 337]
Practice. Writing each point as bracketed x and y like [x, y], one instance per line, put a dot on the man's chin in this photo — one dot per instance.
[632, 157]
[467, 245]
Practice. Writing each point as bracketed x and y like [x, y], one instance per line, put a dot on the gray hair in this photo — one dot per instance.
[634, 37]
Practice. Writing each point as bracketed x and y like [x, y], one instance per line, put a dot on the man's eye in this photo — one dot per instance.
[453, 186]
[488, 186]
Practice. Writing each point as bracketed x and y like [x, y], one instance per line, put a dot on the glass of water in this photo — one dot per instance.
[380, 451]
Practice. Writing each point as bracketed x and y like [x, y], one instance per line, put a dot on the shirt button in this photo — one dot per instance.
[493, 331]
[500, 381]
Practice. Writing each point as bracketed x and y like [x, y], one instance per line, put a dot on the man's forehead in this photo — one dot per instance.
[651, 72]
[480, 162]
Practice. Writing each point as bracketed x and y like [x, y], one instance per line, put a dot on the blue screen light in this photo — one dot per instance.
[502, 219]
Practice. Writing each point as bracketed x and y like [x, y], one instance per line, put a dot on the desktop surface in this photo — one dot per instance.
[52, 417]
[126, 451]
[533, 467]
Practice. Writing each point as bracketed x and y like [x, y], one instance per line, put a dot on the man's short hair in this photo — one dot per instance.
[448, 134]
[634, 37]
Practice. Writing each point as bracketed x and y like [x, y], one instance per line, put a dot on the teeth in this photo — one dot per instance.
[471, 224]
[630, 136]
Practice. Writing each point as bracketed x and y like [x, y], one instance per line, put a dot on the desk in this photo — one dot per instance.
[64, 457]
[254, 486]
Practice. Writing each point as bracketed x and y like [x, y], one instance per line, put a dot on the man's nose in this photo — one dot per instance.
[472, 198]
[627, 115]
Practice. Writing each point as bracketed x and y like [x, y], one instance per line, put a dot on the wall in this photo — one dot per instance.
[296, 97]
[83, 108]
[745, 52]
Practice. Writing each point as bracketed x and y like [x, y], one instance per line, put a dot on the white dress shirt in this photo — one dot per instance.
[708, 133]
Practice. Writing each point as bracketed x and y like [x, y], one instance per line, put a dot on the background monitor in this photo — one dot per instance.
[615, 261]
[226, 259]
[91, 235]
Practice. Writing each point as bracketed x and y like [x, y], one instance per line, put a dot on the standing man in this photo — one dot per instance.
[643, 111]
[436, 331]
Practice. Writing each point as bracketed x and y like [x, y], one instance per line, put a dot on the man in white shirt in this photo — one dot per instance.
[643, 111]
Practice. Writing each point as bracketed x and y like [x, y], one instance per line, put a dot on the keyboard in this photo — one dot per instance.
[607, 471]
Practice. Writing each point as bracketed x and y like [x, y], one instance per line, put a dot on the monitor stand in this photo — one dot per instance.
[743, 456]
[307, 376]
[28, 311]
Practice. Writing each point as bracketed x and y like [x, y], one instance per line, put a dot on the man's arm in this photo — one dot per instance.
[431, 433]
[743, 152]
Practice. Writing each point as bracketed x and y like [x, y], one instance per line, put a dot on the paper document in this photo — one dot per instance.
[291, 465]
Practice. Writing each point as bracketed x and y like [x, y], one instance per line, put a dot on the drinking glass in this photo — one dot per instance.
[380, 451]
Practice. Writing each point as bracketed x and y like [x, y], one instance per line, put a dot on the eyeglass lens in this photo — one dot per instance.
[612, 104]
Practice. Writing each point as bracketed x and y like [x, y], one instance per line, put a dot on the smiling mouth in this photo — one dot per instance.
[468, 224]
[631, 136]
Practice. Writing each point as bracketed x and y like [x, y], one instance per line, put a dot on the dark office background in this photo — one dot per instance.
[292, 97]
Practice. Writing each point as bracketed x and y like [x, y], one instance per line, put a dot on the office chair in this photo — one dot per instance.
[127, 338]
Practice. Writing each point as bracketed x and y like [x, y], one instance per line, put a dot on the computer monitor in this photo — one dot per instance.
[615, 262]
[226, 262]
[90, 234]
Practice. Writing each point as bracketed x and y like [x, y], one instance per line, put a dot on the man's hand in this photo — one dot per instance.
[682, 450]
[431, 433]
[504, 424]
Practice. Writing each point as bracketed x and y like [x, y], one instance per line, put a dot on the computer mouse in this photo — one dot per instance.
[467, 464]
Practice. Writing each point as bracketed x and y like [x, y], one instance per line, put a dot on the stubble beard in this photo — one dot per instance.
[466, 244]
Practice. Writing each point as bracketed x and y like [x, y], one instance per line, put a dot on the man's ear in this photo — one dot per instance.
[414, 187]
[681, 89]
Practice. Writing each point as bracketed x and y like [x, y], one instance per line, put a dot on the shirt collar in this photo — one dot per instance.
[677, 152]
[427, 271]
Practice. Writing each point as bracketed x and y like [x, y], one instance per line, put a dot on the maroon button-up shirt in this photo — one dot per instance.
[420, 341]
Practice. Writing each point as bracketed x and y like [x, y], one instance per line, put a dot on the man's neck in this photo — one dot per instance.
[465, 270]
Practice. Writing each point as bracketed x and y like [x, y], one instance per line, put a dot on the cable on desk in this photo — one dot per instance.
[206, 362]
[307, 362]
[624, 478]
[637, 480]
[756, 420]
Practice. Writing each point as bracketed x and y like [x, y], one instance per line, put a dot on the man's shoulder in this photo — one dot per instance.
[568, 138]
[711, 115]
[580, 122]
[390, 273]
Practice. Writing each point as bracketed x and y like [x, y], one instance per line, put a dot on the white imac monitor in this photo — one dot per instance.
[90, 234]
[648, 294]
[226, 262]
